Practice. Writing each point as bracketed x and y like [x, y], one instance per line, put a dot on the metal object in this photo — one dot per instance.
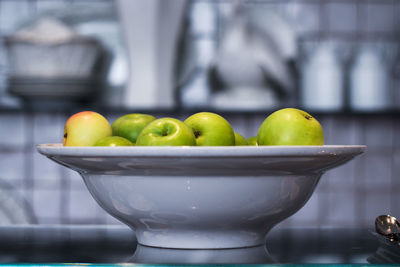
[388, 226]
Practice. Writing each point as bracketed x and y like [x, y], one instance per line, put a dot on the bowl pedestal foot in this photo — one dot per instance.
[200, 239]
[154, 255]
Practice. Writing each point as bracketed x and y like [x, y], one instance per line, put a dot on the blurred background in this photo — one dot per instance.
[337, 59]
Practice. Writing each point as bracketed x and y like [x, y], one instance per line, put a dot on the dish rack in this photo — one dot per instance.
[67, 70]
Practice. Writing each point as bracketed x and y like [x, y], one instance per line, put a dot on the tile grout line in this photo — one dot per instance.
[28, 159]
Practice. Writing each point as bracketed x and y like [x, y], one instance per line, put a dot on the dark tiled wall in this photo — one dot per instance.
[351, 195]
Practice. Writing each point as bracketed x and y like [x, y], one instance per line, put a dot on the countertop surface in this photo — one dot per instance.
[33, 244]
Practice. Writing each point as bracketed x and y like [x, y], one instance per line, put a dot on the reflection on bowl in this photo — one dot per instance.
[201, 197]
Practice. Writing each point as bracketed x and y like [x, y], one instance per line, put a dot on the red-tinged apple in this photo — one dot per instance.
[85, 129]
[290, 126]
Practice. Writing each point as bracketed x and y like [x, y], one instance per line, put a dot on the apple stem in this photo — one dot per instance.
[196, 133]
[308, 117]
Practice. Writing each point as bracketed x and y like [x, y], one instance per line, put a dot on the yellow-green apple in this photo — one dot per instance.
[252, 141]
[211, 129]
[129, 126]
[166, 132]
[113, 141]
[290, 126]
[85, 129]
[240, 140]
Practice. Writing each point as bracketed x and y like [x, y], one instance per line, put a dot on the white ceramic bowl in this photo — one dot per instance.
[201, 197]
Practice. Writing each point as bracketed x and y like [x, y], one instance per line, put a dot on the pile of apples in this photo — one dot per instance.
[287, 126]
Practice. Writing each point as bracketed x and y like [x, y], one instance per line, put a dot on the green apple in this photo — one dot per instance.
[113, 141]
[166, 132]
[252, 141]
[129, 126]
[290, 126]
[240, 140]
[211, 129]
[85, 129]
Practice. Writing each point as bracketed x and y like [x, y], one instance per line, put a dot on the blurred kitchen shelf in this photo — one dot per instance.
[188, 111]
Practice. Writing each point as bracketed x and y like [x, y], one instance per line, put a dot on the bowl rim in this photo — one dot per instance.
[200, 151]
